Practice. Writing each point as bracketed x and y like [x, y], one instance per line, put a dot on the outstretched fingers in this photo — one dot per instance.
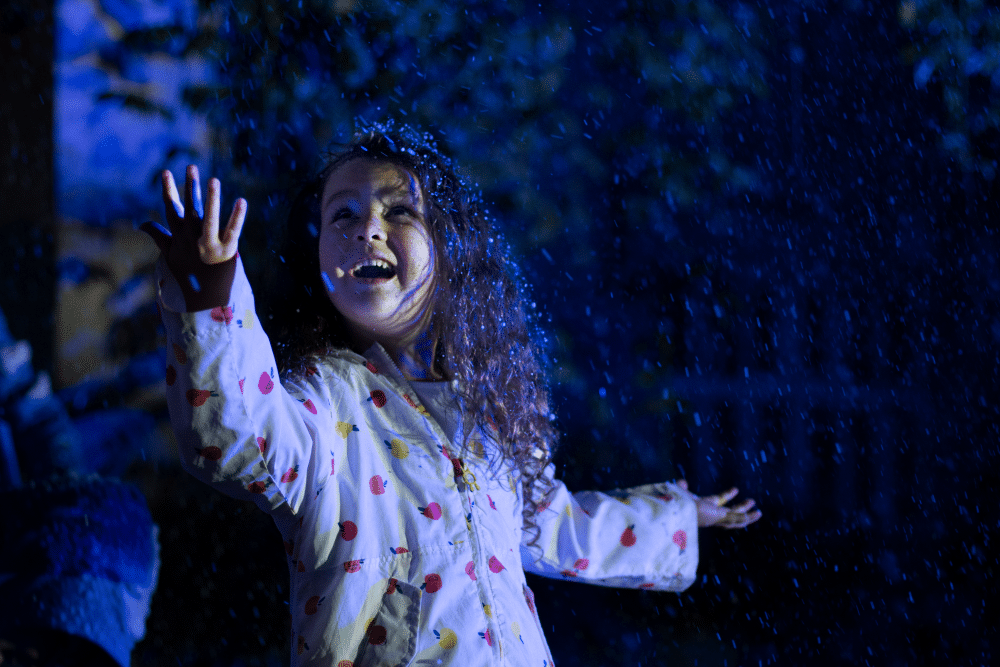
[192, 192]
[234, 227]
[215, 247]
[724, 497]
[737, 519]
[171, 201]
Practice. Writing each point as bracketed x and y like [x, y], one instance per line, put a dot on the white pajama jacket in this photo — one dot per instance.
[398, 553]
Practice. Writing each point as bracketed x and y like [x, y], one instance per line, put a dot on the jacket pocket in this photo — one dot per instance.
[390, 639]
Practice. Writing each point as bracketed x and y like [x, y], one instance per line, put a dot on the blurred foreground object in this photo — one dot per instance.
[80, 557]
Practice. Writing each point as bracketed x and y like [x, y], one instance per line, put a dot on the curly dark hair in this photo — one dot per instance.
[484, 337]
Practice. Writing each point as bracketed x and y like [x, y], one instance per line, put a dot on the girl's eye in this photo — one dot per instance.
[342, 214]
[399, 209]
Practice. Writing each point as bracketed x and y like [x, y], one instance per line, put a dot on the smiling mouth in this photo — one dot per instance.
[375, 269]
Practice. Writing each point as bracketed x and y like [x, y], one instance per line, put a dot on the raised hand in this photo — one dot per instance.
[201, 258]
[712, 510]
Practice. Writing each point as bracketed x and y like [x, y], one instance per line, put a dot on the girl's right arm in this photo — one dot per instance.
[237, 427]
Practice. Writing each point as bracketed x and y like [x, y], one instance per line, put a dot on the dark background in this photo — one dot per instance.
[761, 237]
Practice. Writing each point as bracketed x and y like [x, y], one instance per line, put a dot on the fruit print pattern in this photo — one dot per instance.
[198, 397]
[397, 448]
[680, 539]
[345, 429]
[447, 639]
[222, 314]
[255, 437]
[266, 383]
[377, 485]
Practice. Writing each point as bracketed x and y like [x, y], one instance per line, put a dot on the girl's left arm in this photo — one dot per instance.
[643, 537]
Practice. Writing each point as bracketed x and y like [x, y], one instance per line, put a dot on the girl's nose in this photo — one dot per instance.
[373, 229]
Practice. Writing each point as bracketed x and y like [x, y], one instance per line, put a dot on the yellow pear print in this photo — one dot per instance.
[487, 611]
[477, 448]
[345, 429]
[248, 319]
[515, 627]
[447, 639]
[398, 448]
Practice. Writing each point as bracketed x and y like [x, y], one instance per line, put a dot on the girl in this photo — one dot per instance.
[406, 454]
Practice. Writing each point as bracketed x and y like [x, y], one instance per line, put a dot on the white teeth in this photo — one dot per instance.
[381, 263]
[374, 262]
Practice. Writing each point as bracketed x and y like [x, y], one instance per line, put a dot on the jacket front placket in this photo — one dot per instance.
[377, 355]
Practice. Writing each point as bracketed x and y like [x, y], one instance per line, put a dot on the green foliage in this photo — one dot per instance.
[518, 95]
[954, 48]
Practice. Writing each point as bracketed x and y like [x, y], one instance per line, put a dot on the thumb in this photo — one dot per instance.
[161, 237]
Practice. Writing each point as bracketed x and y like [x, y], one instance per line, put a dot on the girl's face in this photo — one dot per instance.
[376, 253]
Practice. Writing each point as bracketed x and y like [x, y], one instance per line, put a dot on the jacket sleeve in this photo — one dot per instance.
[238, 428]
[644, 537]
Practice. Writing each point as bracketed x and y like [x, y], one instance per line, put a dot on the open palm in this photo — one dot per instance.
[201, 258]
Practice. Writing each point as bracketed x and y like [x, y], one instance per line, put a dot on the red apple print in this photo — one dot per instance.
[470, 569]
[261, 444]
[492, 505]
[197, 397]
[290, 475]
[353, 565]
[680, 538]
[445, 453]
[180, 354]
[376, 485]
[312, 370]
[378, 398]
[370, 366]
[242, 381]
[646, 586]
[486, 636]
[432, 511]
[410, 401]
[543, 506]
[303, 646]
[171, 375]
[401, 550]
[568, 573]
[495, 565]
[258, 487]
[222, 314]
[581, 564]
[432, 583]
[289, 546]
[376, 635]
[348, 530]
[456, 465]
[308, 405]
[665, 496]
[265, 383]
[212, 453]
[392, 586]
[313, 603]
[301, 567]
[333, 463]
[628, 537]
